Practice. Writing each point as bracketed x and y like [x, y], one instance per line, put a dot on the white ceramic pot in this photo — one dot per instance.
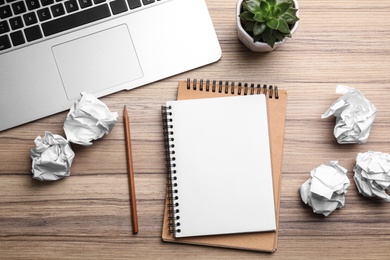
[247, 40]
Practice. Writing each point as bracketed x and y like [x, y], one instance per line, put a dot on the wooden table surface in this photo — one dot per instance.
[87, 215]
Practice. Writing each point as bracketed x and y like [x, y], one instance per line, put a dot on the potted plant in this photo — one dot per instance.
[263, 25]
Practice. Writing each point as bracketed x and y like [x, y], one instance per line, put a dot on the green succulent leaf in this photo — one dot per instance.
[259, 28]
[278, 35]
[249, 26]
[272, 2]
[265, 7]
[276, 12]
[273, 23]
[252, 6]
[293, 11]
[290, 2]
[267, 33]
[257, 38]
[283, 26]
[271, 41]
[289, 18]
[283, 7]
[247, 16]
[259, 17]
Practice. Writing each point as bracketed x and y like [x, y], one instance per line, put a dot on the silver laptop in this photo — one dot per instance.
[51, 50]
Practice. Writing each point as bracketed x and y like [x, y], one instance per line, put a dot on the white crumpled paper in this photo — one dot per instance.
[88, 119]
[51, 158]
[372, 174]
[354, 116]
[325, 190]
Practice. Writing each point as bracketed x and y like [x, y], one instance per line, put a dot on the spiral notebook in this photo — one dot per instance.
[276, 104]
[220, 179]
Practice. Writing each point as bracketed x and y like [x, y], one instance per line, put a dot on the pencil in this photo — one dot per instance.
[130, 171]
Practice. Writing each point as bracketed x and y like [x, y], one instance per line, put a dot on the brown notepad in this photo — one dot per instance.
[276, 105]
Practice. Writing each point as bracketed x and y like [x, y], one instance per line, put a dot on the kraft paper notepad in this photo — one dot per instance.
[276, 105]
[221, 175]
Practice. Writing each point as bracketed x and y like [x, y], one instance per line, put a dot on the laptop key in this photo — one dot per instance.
[16, 22]
[32, 4]
[76, 19]
[57, 10]
[44, 14]
[30, 18]
[4, 27]
[33, 33]
[134, 3]
[17, 38]
[118, 6]
[4, 42]
[46, 2]
[71, 6]
[146, 2]
[19, 7]
[85, 3]
[96, 1]
[5, 12]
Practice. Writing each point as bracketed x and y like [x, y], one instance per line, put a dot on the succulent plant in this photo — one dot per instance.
[268, 21]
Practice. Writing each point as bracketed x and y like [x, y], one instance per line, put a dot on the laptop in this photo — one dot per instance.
[51, 50]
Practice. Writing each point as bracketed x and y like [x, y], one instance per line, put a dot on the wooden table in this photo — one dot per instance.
[87, 215]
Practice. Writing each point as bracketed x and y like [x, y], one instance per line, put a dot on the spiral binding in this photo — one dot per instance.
[230, 87]
[172, 191]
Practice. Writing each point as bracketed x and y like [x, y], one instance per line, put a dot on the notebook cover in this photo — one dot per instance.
[262, 241]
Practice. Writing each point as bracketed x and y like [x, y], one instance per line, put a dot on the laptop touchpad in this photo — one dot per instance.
[97, 62]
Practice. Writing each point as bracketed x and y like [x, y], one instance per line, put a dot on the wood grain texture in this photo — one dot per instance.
[87, 215]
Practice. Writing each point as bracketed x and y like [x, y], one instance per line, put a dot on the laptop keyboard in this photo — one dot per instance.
[28, 21]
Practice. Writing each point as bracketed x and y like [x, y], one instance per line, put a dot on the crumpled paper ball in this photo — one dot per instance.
[354, 116]
[372, 174]
[51, 158]
[325, 190]
[88, 119]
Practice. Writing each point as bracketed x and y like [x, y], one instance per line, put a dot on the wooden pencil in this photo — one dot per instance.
[130, 170]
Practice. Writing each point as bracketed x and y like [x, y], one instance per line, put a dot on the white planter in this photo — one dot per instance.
[247, 40]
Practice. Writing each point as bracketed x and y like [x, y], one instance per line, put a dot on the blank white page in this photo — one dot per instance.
[223, 166]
